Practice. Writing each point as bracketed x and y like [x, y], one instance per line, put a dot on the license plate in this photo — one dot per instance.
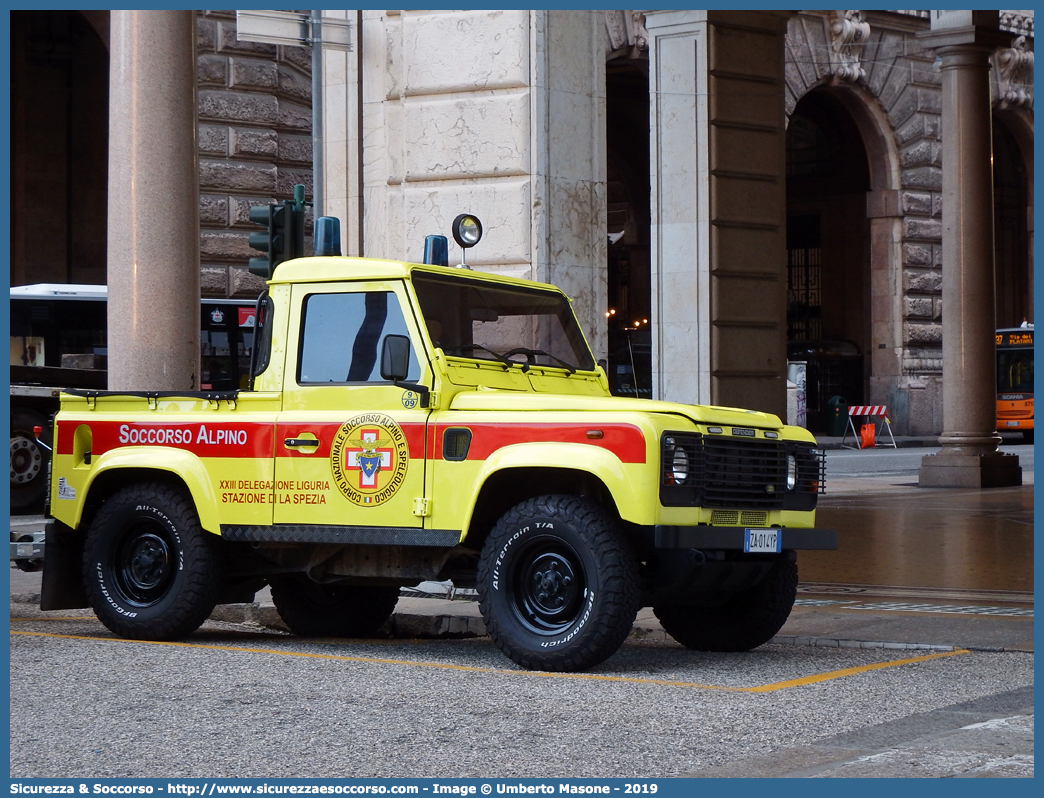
[1011, 423]
[762, 540]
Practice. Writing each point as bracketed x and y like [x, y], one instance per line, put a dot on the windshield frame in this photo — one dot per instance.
[554, 339]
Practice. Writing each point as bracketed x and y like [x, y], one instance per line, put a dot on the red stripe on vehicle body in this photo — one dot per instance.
[224, 439]
[325, 432]
[234, 439]
[626, 441]
[231, 439]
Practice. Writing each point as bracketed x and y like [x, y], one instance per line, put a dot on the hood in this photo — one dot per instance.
[515, 401]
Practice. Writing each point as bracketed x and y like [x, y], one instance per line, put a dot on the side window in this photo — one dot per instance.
[342, 335]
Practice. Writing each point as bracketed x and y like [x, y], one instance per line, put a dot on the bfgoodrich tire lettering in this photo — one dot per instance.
[558, 585]
[333, 610]
[150, 570]
[744, 622]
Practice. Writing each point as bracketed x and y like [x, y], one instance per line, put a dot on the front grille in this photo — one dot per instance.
[1025, 413]
[725, 517]
[743, 473]
[736, 518]
[734, 473]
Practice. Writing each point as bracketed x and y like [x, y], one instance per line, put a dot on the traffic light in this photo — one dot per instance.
[277, 239]
[283, 238]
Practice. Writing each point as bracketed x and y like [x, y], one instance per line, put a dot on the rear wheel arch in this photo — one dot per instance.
[110, 480]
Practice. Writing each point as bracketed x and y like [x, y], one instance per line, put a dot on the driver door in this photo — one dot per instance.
[350, 446]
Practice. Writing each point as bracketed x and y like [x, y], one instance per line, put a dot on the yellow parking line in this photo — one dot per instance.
[765, 688]
[823, 677]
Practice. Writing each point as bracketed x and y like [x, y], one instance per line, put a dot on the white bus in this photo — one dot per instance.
[58, 341]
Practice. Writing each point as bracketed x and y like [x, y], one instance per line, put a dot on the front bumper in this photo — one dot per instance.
[725, 538]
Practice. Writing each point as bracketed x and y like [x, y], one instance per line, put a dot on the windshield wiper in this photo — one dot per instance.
[501, 358]
[531, 353]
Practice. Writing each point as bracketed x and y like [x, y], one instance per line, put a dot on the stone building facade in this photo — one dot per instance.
[255, 142]
[255, 124]
[875, 75]
[465, 111]
[708, 230]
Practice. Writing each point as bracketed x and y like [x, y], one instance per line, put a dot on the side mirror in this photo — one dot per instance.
[395, 358]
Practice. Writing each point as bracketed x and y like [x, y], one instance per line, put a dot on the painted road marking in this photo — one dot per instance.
[765, 688]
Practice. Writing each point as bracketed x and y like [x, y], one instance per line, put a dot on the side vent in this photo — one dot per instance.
[455, 444]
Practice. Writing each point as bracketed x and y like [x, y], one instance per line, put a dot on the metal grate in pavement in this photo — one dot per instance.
[956, 609]
[900, 606]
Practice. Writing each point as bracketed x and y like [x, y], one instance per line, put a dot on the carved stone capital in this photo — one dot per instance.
[1016, 22]
[1013, 68]
[848, 32]
[625, 35]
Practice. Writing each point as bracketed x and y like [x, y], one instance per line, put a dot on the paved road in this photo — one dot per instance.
[841, 693]
[240, 701]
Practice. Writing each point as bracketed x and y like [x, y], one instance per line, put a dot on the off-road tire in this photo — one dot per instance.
[28, 461]
[332, 610]
[557, 584]
[150, 570]
[743, 622]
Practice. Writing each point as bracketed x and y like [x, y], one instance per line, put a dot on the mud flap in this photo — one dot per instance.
[63, 570]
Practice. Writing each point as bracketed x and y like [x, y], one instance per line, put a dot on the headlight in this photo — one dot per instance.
[681, 469]
[676, 464]
[791, 472]
[680, 466]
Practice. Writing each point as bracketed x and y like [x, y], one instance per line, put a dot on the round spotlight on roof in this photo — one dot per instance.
[467, 230]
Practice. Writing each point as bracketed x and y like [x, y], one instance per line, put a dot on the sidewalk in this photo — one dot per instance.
[901, 441]
[815, 621]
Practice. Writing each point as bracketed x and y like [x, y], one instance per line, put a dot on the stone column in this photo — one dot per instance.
[969, 456]
[153, 244]
[718, 182]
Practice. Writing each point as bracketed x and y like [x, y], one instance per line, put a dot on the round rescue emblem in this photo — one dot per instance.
[369, 458]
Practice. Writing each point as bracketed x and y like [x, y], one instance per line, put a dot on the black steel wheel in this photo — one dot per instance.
[311, 609]
[28, 461]
[558, 585]
[743, 622]
[150, 570]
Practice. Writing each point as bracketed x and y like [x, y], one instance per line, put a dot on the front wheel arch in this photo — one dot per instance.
[508, 487]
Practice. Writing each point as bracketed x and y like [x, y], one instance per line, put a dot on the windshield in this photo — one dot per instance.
[507, 324]
[1015, 371]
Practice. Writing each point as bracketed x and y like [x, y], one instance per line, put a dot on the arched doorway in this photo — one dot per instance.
[828, 253]
[627, 217]
[1011, 208]
[59, 141]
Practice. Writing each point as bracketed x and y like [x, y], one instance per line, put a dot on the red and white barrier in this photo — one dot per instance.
[868, 410]
[876, 415]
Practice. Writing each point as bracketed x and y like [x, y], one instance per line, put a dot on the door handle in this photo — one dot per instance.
[300, 442]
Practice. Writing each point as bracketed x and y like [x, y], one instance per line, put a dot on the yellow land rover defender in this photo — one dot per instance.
[409, 422]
